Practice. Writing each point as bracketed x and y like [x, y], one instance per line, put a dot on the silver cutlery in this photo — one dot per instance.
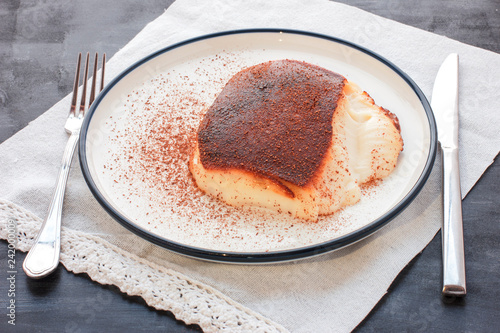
[445, 107]
[43, 257]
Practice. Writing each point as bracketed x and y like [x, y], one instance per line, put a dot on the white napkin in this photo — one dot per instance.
[333, 292]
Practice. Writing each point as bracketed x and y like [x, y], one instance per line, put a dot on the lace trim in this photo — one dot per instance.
[162, 288]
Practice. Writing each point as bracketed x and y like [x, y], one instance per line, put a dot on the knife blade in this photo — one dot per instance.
[445, 107]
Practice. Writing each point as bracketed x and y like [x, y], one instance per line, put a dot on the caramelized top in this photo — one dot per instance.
[274, 120]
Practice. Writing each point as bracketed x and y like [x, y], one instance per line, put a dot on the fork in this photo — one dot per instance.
[43, 257]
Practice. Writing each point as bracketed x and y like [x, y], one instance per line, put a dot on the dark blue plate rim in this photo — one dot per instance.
[261, 257]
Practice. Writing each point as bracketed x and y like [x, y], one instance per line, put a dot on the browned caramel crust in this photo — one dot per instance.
[274, 120]
[392, 117]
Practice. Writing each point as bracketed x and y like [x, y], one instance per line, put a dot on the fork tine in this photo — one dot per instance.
[102, 70]
[84, 90]
[94, 76]
[76, 85]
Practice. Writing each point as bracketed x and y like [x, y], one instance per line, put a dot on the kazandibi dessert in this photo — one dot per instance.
[294, 138]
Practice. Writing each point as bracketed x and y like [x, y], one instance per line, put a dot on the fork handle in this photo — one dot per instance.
[43, 257]
[452, 232]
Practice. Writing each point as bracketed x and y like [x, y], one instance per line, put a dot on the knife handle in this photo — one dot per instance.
[452, 231]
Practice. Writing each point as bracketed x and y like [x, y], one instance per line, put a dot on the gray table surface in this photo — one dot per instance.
[38, 44]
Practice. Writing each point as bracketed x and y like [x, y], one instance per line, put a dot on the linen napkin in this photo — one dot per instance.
[333, 292]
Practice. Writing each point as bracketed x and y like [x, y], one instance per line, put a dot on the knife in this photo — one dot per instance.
[445, 107]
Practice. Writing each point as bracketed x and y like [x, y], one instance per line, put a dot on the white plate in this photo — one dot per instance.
[156, 105]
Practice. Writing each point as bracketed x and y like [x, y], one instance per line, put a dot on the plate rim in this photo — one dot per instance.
[271, 256]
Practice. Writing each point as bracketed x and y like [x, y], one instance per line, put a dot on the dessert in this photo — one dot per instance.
[294, 138]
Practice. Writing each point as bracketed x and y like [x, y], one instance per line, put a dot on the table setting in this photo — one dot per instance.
[125, 265]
